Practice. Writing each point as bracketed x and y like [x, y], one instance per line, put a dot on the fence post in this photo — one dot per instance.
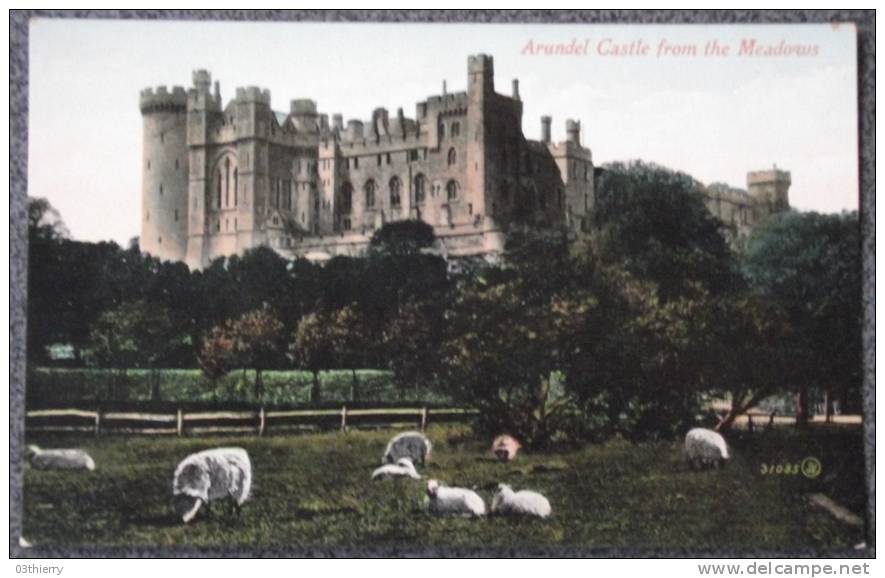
[343, 418]
[261, 422]
[424, 418]
[97, 422]
[179, 423]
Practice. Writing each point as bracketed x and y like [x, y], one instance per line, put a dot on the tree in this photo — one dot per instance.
[351, 341]
[811, 265]
[217, 355]
[133, 335]
[412, 341]
[402, 238]
[312, 348]
[654, 222]
[45, 222]
[258, 342]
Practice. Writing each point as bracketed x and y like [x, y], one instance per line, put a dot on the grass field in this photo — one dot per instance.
[313, 491]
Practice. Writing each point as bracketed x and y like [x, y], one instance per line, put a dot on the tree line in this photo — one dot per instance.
[629, 331]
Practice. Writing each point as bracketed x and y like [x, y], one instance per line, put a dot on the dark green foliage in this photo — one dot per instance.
[402, 238]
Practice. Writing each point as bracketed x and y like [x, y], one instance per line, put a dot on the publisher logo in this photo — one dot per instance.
[811, 467]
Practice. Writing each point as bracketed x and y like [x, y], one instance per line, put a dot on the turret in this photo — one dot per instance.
[164, 207]
[770, 189]
[515, 90]
[481, 74]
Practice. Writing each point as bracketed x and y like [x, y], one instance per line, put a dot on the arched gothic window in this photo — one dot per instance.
[420, 184]
[452, 190]
[236, 185]
[394, 192]
[453, 156]
[218, 189]
[227, 182]
[370, 193]
[456, 128]
[346, 197]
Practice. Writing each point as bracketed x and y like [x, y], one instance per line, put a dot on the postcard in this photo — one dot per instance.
[399, 288]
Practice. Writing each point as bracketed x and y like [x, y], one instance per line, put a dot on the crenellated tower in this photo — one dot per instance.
[164, 209]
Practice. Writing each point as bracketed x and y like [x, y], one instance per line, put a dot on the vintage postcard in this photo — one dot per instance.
[417, 288]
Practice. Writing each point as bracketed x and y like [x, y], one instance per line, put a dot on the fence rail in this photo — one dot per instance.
[259, 422]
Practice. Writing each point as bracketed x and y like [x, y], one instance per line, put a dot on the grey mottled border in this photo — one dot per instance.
[18, 257]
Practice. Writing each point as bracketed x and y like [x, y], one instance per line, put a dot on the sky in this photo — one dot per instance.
[791, 102]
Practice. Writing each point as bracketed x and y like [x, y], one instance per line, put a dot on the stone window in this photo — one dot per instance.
[452, 190]
[176, 164]
[162, 137]
[420, 185]
[161, 188]
[388, 158]
[394, 192]
[370, 193]
[379, 160]
[442, 131]
[453, 156]
[236, 185]
[456, 129]
[413, 155]
[346, 224]
[176, 215]
[356, 162]
[346, 198]
[227, 182]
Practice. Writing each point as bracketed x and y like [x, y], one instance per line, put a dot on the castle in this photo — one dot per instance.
[218, 180]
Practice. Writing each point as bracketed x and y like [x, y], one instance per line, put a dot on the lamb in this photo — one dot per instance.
[411, 444]
[705, 447]
[506, 447]
[445, 500]
[59, 459]
[220, 473]
[403, 468]
[526, 502]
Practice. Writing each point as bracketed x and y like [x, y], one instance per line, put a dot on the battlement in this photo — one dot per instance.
[768, 176]
[302, 106]
[160, 99]
[480, 63]
[253, 94]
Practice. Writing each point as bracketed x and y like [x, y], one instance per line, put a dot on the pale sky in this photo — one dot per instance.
[713, 117]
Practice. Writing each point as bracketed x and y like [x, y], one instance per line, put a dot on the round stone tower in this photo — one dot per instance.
[164, 184]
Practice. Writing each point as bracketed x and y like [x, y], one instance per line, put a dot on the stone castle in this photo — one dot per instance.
[218, 180]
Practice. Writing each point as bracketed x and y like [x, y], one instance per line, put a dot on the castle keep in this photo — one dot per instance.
[221, 179]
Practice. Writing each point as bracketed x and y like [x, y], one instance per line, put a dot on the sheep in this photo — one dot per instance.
[506, 447]
[411, 444]
[526, 502]
[705, 447]
[403, 468]
[220, 473]
[59, 459]
[445, 500]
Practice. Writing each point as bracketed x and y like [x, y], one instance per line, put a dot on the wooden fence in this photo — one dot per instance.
[258, 422]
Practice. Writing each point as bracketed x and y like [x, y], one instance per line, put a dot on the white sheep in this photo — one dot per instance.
[403, 468]
[705, 447]
[506, 447]
[220, 473]
[411, 444]
[445, 500]
[59, 459]
[526, 502]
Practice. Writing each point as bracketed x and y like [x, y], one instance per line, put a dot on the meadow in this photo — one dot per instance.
[313, 491]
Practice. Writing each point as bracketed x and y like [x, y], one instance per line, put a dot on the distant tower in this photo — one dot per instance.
[480, 91]
[164, 215]
[770, 189]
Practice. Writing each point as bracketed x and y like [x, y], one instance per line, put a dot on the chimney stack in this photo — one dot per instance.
[573, 131]
[545, 129]
[515, 89]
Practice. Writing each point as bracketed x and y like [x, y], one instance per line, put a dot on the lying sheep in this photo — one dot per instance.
[403, 468]
[705, 447]
[445, 500]
[59, 459]
[506, 447]
[411, 444]
[220, 473]
[526, 502]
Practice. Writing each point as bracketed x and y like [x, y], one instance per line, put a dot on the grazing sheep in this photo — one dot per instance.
[411, 444]
[403, 468]
[506, 501]
[506, 447]
[220, 473]
[445, 500]
[705, 447]
[22, 543]
[59, 459]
